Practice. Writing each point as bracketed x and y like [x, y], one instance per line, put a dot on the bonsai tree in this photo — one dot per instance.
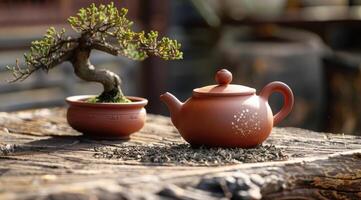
[104, 28]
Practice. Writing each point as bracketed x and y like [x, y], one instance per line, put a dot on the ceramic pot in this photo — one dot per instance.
[227, 115]
[106, 120]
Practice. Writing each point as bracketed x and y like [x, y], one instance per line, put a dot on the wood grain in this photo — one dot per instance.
[42, 157]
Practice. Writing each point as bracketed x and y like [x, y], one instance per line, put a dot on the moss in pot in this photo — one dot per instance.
[103, 28]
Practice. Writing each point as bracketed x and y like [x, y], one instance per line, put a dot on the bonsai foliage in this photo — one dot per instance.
[103, 28]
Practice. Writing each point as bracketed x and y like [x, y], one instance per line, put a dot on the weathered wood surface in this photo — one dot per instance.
[41, 157]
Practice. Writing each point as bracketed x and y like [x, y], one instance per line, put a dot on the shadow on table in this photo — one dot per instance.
[56, 143]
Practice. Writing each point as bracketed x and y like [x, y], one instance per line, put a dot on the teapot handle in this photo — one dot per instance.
[287, 93]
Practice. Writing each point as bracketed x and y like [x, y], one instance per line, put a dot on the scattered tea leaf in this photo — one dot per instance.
[184, 154]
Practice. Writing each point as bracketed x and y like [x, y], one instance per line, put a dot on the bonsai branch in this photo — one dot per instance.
[106, 47]
[104, 28]
[20, 74]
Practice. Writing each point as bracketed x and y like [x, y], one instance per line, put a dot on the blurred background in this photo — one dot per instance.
[312, 45]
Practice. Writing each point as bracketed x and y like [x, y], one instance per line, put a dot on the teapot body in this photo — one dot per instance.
[227, 115]
[229, 121]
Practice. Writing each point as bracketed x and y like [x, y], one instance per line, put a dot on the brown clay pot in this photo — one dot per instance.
[227, 115]
[106, 120]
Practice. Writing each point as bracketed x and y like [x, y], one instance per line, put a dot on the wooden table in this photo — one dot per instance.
[42, 158]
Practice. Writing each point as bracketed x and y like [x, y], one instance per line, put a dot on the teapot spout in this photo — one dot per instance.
[174, 106]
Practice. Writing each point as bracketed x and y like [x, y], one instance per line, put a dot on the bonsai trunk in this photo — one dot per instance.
[110, 81]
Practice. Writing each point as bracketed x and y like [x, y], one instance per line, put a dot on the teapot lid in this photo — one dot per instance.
[224, 88]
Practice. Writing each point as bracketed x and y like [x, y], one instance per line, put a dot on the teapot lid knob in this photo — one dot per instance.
[223, 77]
[224, 87]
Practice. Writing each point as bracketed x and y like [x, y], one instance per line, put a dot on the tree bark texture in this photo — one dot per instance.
[87, 72]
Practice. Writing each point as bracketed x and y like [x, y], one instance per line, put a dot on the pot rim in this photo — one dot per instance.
[78, 100]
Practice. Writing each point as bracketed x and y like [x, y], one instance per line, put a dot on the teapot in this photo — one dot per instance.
[227, 115]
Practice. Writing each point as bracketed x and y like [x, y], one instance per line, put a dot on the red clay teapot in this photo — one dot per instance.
[228, 115]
